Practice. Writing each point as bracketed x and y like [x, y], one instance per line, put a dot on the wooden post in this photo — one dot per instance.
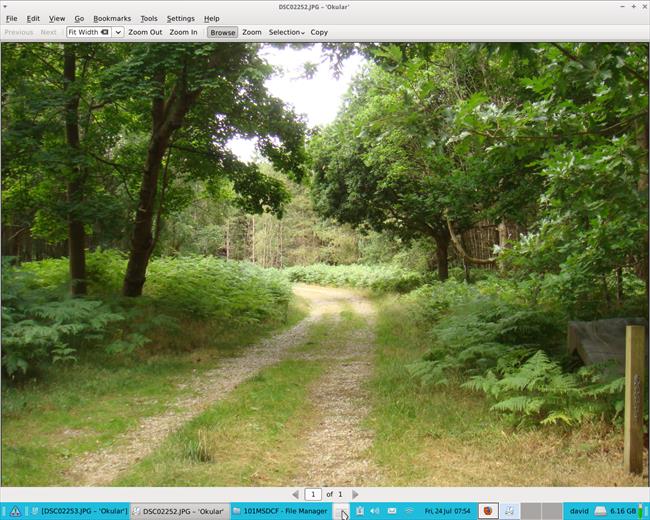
[634, 393]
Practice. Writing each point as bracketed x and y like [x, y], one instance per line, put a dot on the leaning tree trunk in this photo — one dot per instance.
[142, 235]
[167, 117]
[76, 231]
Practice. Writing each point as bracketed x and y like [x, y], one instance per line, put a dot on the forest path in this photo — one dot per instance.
[335, 450]
[104, 466]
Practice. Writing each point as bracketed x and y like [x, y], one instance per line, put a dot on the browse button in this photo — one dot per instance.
[223, 32]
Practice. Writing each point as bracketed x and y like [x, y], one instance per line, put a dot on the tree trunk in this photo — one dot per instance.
[644, 141]
[227, 239]
[466, 267]
[142, 237]
[167, 117]
[442, 257]
[608, 298]
[76, 231]
[281, 261]
[252, 239]
[619, 285]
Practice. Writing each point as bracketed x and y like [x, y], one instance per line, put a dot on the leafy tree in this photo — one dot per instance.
[124, 129]
[194, 98]
[51, 118]
[434, 139]
[584, 124]
[390, 161]
[366, 174]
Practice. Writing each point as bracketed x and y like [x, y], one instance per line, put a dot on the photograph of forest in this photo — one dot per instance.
[326, 265]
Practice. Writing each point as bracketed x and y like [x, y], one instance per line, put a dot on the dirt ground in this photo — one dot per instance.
[336, 449]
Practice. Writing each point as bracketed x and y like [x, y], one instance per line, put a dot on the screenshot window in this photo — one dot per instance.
[342, 260]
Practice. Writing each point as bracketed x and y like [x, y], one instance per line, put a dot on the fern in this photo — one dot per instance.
[380, 278]
[41, 325]
[485, 383]
[429, 373]
[130, 343]
[521, 404]
[507, 351]
[541, 391]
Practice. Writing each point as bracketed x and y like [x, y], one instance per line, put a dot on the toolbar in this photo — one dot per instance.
[325, 511]
[320, 33]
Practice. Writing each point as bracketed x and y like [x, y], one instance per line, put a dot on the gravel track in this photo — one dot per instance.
[101, 467]
[336, 448]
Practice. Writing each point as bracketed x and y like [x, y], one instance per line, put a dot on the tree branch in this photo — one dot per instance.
[210, 154]
[118, 168]
[600, 131]
[573, 57]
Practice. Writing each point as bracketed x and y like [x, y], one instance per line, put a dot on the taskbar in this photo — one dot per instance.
[384, 510]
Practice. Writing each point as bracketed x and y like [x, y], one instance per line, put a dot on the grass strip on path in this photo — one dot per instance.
[256, 435]
[246, 439]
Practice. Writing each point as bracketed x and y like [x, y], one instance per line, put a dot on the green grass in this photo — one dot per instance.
[406, 415]
[423, 435]
[71, 409]
[432, 436]
[327, 333]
